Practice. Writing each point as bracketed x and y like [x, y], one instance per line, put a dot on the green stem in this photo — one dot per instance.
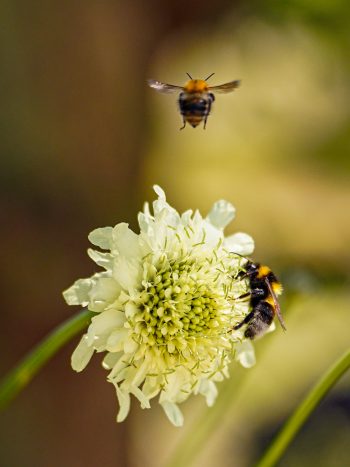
[298, 418]
[18, 378]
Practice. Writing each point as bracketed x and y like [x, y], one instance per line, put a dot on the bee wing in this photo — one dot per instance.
[227, 87]
[277, 306]
[163, 87]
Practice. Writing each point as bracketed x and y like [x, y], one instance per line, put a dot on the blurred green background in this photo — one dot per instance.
[83, 140]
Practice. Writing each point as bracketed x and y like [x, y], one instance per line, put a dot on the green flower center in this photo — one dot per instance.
[178, 304]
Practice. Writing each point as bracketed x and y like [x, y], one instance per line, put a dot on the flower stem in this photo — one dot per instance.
[300, 415]
[18, 378]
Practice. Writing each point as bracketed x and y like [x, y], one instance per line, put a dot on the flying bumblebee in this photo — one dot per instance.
[196, 97]
[264, 289]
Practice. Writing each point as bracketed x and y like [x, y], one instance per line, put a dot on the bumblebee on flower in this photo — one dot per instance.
[165, 305]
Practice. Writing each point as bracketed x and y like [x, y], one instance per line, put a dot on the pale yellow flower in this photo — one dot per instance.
[166, 304]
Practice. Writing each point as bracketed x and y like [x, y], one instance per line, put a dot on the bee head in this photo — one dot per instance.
[251, 268]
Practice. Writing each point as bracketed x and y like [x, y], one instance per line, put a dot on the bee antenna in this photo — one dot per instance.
[206, 79]
[189, 75]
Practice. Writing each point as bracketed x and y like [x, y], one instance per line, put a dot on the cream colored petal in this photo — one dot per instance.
[271, 328]
[178, 386]
[126, 242]
[245, 354]
[221, 214]
[82, 354]
[163, 212]
[173, 413]
[209, 390]
[115, 342]
[124, 404]
[151, 387]
[102, 259]
[140, 396]
[105, 291]
[130, 346]
[119, 366]
[186, 217]
[110, 360]
[160, 192]
[78, 293]
[102, 326]
[127, 273]
[107, 321]
[131, 309]
[145, 223]
[240, 243]
[102, 237]
[212, 234]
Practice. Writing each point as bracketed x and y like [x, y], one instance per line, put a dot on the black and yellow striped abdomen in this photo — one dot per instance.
[195, 107]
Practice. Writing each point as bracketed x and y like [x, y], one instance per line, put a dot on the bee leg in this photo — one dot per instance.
[205, 122]
[246, 320]
[183, 125]
[245, 295]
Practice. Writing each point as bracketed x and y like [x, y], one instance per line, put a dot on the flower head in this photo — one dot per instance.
[166, 305]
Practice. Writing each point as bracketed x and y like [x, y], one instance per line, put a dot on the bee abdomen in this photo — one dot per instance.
[263, 317]
[194, 108]
[194, 120]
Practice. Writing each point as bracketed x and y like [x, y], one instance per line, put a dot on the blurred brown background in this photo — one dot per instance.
[83, 140]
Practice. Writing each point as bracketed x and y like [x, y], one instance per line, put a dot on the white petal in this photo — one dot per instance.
[140, 396]
[127, 273]
[102, 259]
[107, 321]
[110, 360]
[221, 214]
[104, 292]
[186, 217]
[126, 242]
[115, 341]
[144, 223]
[130, 346]
[131, 309]
[102, 237]
[240, 243]
[124, 404]
[119, 366]
[178, 386]
[162, 210]
[159, 191]
[212, 234]
[82, 354]
[208, 389]
[245, 354]
[173, 412]
[78, 293]
[151, 388]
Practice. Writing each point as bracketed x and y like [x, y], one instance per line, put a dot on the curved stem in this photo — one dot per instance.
[18, 378]
[300, 415]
